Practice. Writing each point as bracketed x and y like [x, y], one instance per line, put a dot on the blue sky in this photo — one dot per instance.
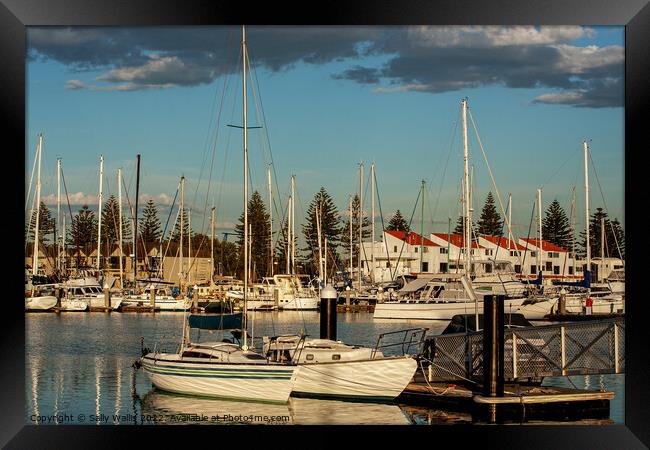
[332, 97]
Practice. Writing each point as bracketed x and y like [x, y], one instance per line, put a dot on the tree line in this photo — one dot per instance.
[335, 227]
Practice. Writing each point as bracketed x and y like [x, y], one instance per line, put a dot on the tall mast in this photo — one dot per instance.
[58, 213]
[270, 219]
[293, 224]
[189, 246]
[350, 202]
[422, 232]
[468, 222]
[539, 240]
[243, 45]
[360, 219]
[287, 253]
[602, 248]
[99, 212]
[319, 237]
[119, 206]
[372, 218]
[587, 273]
[135, 222]
[510, 237]
[573, 227]
[182, 220]
[38, 205]
[212, 246]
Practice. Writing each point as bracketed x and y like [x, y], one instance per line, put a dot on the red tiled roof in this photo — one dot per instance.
[503, 242]
[546, 246]
[411, 238]
[456, 239]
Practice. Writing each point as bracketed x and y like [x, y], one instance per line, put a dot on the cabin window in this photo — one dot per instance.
[617, 267]
[336, 357]
[310, 357]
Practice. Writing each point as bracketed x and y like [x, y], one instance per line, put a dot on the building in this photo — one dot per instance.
[557, 262]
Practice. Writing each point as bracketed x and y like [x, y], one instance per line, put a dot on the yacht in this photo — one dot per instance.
[164, 298]
[290, 293]
[88, 290]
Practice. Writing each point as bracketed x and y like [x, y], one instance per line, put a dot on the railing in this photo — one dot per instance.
[534, 352]
[413, 338]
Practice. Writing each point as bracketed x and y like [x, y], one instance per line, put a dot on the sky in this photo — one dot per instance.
[327, 99]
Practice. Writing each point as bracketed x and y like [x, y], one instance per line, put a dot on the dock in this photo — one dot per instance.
[139, 309]
[355, 308]
[520, 403]
[582, 317]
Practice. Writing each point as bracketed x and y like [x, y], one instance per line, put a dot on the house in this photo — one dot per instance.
[504, 249]
[400, 253]
[557, 262]
[452, 250]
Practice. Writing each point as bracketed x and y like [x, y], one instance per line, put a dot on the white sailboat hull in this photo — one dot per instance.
[304, 303]
[382, 378]
[99, 302]
[164, 304]
[74, 305]
[257, 382]
[43, 303]
[436, 311]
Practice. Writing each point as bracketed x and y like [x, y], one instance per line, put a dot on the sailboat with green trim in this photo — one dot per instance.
[228, 368]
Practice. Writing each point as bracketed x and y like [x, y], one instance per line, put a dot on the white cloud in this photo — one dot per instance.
[78, 198]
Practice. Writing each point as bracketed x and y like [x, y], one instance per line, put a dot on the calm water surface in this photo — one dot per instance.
[78, 369]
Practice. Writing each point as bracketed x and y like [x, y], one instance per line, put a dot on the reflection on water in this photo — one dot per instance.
[78, 371]
[163, 407]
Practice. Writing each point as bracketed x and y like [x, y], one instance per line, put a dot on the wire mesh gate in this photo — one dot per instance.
[533, 352]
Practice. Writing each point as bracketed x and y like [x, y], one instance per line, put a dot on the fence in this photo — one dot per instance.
[534, 352]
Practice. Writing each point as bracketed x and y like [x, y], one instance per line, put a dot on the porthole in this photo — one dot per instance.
[310, 357]
[336, 357]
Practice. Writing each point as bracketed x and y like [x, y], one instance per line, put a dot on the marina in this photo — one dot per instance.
[137, 312]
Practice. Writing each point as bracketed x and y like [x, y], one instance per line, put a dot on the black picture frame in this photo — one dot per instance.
[15, 15]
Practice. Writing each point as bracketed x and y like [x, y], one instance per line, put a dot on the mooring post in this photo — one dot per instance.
[493, 347]
[328, 313]
[195, 298]
[107, 296]
[152, 297]
[562, 302]
[347, 298]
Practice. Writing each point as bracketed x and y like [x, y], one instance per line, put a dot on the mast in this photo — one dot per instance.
[293, 224]
[422, 232]
[58, 213]
[212, 246]
[350, 202]
[468, 223]
[119, 201]
[539, 240]
[243, 45]
[270, 218]
[325, 272]
[587, 274]
[99, 212]
[38, 205]
[372, 218]
[287, 253]
[189, 246]
[318, 236]
[135, 222]
[510, 237]
[360, 220]
[573, 227]
[602, 248]
[182, 220]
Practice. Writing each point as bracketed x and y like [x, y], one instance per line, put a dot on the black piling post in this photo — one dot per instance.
[328, 297]
[493, 350]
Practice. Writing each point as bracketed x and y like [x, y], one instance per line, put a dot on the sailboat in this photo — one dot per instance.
[228, 369]
[37, 298]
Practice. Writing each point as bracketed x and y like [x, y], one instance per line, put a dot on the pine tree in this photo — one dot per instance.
[595, 236]
[398, 223]
[281, 250]
[46, 224]
[176, 234]
[322, 206]
[345, 234]
[618, 240]
[460, 226]
[260, 222]
[149, 224]
[111, 223]
[226, 258]
[490, 223]
[83, 230]
[555, 226]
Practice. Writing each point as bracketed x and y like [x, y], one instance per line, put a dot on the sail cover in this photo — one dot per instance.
[414, 285]
[216, 321]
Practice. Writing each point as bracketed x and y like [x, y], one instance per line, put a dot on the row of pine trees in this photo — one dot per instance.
[83, 232]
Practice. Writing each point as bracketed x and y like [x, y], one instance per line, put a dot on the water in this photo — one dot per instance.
[78, 371]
